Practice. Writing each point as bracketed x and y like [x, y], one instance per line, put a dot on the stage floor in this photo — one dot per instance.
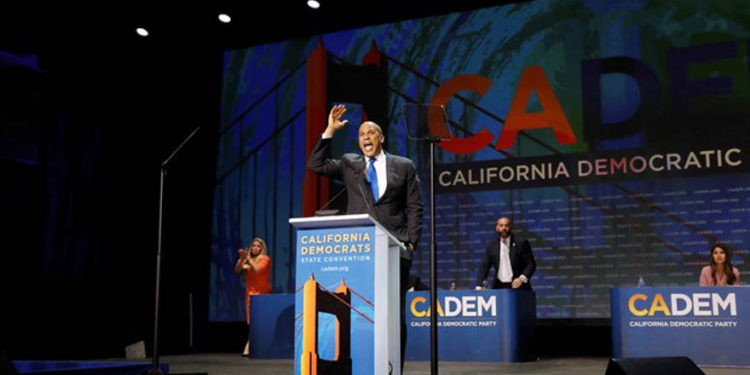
[234, 364]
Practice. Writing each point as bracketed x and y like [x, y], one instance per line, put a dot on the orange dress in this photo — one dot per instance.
[257, 282]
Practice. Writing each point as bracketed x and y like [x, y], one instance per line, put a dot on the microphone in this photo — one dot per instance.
[323, 212]
[372, 213]
[362, 192]
[364, 199]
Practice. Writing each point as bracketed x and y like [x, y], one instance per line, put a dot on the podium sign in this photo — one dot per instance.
[711, 325]
[474, 326]
[346, 297]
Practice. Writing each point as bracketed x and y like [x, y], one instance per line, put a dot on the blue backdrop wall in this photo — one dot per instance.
[630, 156]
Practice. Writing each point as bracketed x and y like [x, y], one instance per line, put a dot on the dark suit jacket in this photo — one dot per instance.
[521, 260]
[399, 209]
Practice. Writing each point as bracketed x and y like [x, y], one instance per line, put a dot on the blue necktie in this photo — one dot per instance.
[373, 176]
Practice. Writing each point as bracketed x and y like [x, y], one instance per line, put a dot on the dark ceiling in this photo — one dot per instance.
[32, 28]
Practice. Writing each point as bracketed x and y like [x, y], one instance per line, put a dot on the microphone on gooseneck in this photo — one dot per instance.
[364, 198]
[323, 212]
[370, 211]
[358, 180]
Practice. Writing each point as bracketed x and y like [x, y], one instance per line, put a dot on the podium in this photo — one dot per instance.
[346, 318]
[711, 325]
[474, 326]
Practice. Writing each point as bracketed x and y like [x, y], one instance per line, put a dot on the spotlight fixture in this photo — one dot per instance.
[315, 4]
[142, 32]
[223, 17]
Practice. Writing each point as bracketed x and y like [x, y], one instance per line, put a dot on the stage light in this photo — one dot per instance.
[315, 4]
[142, 32]
[225, 18]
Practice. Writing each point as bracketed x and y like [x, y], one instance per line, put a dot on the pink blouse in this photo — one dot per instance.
[707, 280]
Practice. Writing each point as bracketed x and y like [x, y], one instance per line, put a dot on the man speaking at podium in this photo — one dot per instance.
[380, 184]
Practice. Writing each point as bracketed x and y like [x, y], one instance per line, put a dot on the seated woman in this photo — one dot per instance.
[255, 264]
[720, 272]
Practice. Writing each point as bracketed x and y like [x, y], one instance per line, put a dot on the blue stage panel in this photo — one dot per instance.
[272, 326]
[86, 367]
[711, 325]
[473, 326]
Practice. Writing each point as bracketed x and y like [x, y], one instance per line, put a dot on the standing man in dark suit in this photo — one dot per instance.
[380, 184]
[510, 256]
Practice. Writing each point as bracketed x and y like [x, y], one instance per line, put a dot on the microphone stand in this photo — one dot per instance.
[432, 140]
[155, 360]
[419, 120]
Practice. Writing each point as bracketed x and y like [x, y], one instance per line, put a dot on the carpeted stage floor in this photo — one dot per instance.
[234, 364]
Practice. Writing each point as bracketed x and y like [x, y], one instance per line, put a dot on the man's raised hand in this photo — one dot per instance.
[334, 120]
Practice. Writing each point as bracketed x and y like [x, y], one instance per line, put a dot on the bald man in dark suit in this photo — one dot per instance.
[510, 256]
[380, 184]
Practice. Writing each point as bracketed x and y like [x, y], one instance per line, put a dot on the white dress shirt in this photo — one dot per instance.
[379, 169]
[504, 270]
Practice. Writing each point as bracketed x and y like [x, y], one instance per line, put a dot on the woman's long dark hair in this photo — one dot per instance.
[728, 269]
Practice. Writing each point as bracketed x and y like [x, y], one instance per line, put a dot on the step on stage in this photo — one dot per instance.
[231, 364]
